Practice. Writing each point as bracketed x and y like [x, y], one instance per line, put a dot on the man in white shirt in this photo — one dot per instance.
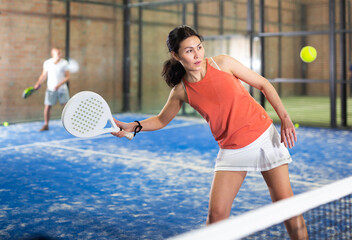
[56, 72]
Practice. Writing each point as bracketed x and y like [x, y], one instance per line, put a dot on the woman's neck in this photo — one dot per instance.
[196, 76]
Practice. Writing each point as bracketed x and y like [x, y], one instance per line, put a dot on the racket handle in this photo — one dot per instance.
[128, 135]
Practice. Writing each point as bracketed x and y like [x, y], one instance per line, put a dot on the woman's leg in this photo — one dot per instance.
[279, 185]
[224, 189]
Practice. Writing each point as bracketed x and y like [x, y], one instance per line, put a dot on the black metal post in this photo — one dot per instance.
[262, 45]
[221, 25]
[68, 18]
[349, 14]
[126, 56]
[221, 17]
[303, 22]
[250, 31]
[140, 55]
[115, 78]
[184, 14]
[343, 64]
[332, 61]
[184, 21]
[67, 40]
[279, 74]
[50, 11]
[195, 17]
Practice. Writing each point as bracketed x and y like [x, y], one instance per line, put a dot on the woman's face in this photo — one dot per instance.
[190, 54]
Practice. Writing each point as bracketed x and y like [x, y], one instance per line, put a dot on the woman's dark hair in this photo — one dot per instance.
[173, 71]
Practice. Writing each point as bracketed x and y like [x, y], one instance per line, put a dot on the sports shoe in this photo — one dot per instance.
[44, 128]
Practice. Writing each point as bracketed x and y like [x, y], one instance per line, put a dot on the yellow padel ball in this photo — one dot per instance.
[308, 54]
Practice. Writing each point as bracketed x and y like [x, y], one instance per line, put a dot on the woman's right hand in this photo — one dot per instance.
[37, 86]
[128, 127]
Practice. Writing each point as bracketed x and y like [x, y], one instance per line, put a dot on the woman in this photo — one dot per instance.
[247, 138]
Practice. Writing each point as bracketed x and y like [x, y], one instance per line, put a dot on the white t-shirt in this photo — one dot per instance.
[56, 73]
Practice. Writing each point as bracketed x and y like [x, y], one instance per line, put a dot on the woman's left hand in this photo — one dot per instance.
[288, 133]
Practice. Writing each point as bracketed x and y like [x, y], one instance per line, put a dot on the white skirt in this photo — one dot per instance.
[265, 153]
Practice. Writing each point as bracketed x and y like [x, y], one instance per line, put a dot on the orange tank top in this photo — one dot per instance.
[234, 117]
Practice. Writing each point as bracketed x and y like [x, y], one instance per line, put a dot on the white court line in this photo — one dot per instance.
[17, 147]
[154, 159]
[158, 160]
[55, 144]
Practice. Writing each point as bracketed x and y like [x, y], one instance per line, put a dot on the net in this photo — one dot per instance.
[327, 213]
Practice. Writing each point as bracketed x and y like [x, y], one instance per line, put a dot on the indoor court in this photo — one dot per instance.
[56, 186]
[153, 187]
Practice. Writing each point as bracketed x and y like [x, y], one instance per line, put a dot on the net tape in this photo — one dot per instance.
[337, 213]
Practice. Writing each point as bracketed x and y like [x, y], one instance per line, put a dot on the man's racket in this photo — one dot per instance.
[28, 91]
[87, 114]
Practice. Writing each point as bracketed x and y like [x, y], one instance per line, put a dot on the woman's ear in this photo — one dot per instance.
[175, 56]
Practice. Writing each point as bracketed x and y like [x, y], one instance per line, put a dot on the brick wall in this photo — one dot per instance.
[29, 29]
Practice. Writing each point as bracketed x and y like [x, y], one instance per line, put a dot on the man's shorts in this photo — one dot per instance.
[51, 97]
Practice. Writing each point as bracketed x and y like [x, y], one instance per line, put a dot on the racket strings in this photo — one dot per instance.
[87, 115]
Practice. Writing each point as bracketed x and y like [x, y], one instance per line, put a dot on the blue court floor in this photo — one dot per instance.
[153, 187]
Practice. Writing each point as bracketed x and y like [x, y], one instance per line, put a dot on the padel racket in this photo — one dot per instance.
[87, 114]
[28, 91]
